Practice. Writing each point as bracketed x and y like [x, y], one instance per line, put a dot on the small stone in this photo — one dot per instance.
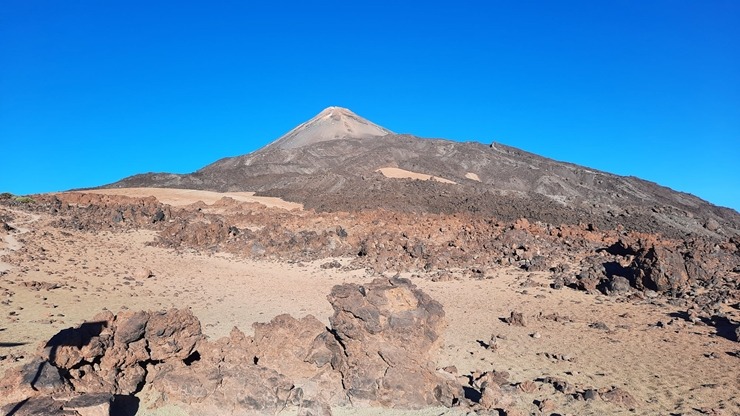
[711, 224]
[546, 405]
[528, 387]
[590, 394]
[493, 343]
[142, 273]
[536, 335]
[516, 319]
[450, 369]
[599, 325]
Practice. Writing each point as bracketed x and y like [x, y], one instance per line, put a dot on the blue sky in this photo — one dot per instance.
[91, 91]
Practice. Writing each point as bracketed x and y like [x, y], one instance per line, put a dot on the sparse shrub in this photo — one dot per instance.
[5, 196]
[24, 200]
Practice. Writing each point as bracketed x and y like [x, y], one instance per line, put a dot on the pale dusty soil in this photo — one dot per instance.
[397, 173]
[473, 176]
[666, 369]
[180, 197]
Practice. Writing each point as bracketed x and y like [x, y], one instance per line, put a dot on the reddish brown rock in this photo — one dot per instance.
[528, 387]
[376, 353]
[172, 334]
[304, 351]
[620, 397]
[388, 328]
[546, 406]
[492, 397]
[226, 388]
[516, 319]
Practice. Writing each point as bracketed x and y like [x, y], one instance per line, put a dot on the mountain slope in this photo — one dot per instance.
[331, 163]
[330, 124]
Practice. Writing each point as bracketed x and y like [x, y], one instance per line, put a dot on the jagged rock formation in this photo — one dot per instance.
[377, 353]
[388, 329]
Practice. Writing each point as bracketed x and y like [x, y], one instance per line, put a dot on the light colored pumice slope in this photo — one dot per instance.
[180, 197]
[331, 124]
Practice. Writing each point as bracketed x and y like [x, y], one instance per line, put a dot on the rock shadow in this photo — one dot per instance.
[723, 327]
[17, 407]
[11, 344]
[75, 337]
[124, 405]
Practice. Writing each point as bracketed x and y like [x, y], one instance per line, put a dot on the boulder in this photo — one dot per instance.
[38, 377]
[229, 387]
[35, 406]
[618, 284]
[173, 334]
[660, 269]
[378, 352]
[493, 397]
[711, 224]
[536, 264]
[591, 276]
[388, 330]
[303, 350]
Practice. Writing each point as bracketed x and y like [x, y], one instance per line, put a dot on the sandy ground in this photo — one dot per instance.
[180, 197]
[397, 173]
[473, 176]
[676, 368]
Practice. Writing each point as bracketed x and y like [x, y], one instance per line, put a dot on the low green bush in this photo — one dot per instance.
[24, 199]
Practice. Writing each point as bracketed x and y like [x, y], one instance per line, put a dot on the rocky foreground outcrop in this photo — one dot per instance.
[377, 352]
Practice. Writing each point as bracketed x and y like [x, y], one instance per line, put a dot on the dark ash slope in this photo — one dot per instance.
[340, 175]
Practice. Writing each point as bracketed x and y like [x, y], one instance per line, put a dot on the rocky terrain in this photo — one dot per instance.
[344, 269]
[508, 317]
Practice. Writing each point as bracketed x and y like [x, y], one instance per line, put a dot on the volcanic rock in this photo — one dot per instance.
[90, 405]
[619, 396]
[388, 329]
[303, 350]
[378, 352]
[492, 397]
[516, 319]
[660, 269]
[618, 284]
[711, 224]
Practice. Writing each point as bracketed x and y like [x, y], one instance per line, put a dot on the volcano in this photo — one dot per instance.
[333, 123]
[339, 161]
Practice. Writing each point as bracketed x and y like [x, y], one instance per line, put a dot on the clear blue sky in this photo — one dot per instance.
[93, 91]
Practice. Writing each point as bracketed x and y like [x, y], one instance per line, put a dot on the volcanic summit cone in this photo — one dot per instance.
[331, 124]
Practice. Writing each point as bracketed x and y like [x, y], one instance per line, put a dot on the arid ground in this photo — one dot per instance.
[61, 268]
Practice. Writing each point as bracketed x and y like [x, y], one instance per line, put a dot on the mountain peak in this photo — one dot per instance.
[332, 123]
